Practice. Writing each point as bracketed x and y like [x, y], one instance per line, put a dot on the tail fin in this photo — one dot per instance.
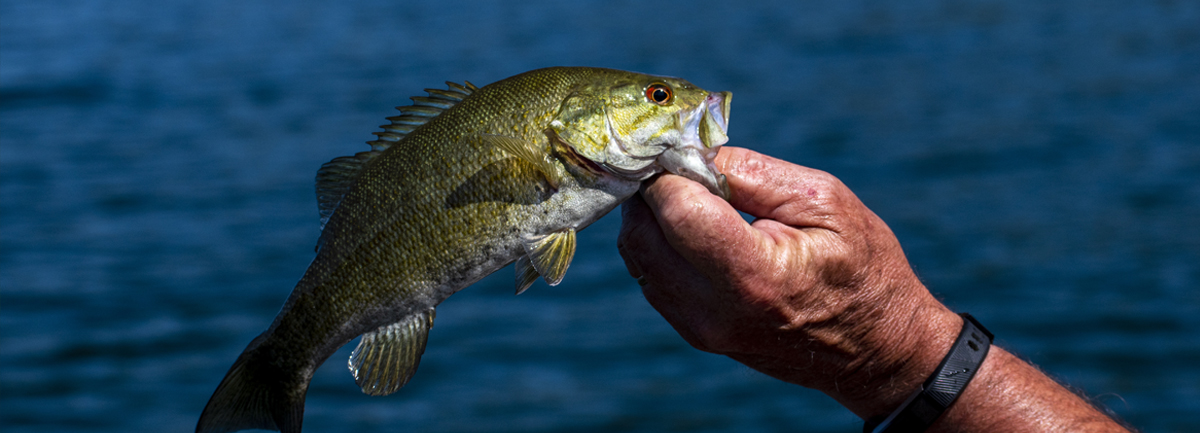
[255, 395]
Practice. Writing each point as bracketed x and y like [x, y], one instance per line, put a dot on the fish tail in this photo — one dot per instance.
[255, 395]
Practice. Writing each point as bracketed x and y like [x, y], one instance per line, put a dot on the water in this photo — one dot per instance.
[1040, 163]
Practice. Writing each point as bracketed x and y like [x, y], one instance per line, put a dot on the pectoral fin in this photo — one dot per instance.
[550, 255]
[528, 152]
[387, 357]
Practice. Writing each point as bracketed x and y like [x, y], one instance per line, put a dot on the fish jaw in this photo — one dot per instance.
[694, 157]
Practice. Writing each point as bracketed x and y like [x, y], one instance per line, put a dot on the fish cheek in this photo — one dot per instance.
[508, 180]
[580, 124]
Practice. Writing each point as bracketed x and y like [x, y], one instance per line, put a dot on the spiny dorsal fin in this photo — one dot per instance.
[528, 152]
[551, 254]
[335, 178]
[387, 357]
[422, 109]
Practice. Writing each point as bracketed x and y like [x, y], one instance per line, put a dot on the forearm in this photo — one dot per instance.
[1009, 395]
[817, 292]
[1006, 395]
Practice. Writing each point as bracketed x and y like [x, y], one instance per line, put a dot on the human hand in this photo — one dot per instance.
[816, 291]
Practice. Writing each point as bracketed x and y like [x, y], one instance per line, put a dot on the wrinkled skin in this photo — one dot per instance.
[809, 280]
[817, 292]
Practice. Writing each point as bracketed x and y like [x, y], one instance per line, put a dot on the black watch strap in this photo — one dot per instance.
[945, 384]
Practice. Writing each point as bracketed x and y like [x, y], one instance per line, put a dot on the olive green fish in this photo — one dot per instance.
[462, 183]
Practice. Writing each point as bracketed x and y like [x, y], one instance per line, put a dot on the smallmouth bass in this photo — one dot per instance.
[462, 183]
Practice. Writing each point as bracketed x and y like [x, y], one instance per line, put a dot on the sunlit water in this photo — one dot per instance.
[1040, 162]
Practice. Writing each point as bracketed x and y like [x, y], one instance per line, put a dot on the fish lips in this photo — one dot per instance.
[694, 158]
[715, 121]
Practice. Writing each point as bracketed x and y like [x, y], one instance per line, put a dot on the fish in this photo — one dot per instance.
[462, 183]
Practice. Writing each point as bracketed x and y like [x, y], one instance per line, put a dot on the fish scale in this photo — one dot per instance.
[462, 183]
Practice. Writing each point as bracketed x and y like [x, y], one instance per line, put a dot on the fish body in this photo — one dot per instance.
[462, 183]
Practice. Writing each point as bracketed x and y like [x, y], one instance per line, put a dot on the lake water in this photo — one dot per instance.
[1039, 161]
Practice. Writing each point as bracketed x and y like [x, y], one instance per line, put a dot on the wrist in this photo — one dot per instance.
[912, 342]
[940, 391]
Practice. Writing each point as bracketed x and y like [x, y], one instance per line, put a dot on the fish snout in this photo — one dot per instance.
[697, 162]
[715, 121]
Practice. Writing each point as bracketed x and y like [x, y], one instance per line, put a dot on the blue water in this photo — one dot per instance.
[1039, 161]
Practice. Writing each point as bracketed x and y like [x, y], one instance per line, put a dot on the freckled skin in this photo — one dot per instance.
[817, 292]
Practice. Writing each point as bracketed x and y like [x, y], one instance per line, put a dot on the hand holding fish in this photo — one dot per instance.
[816, 292]
[470, 179]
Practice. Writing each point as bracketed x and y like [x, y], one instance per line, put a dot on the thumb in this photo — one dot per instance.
[707, 231]
[798, 196]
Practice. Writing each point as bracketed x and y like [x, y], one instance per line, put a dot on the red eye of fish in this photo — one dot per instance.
[659, 94]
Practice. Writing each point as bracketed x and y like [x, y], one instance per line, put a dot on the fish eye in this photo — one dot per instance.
[659, 93]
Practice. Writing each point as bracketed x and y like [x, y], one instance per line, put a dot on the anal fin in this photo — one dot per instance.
[526, 274]
[387, 357]
[551, 254]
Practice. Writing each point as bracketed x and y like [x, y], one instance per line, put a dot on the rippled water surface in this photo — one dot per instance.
[1040, 162]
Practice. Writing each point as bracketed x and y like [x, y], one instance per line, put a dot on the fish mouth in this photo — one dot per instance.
[706, 130]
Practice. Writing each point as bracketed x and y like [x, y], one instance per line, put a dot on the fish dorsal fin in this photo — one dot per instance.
[387, 357]
[422, 109]
[550, 255]
[529, 152]
[335, 178]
